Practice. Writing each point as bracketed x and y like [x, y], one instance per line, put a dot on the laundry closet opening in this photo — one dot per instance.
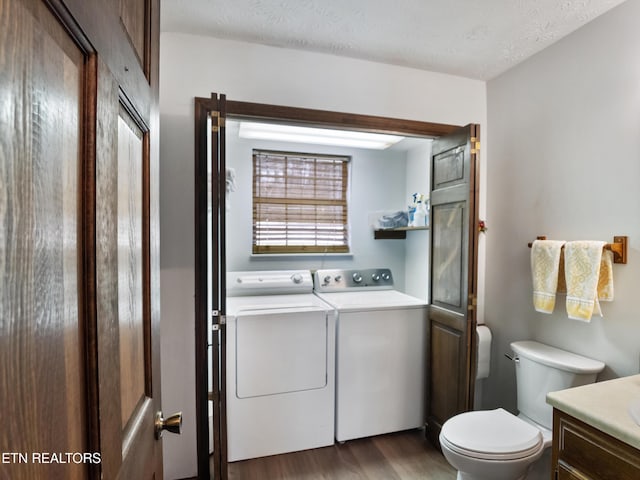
[379, 183]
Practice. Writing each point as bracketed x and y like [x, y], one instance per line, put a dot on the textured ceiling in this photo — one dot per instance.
[472, 38]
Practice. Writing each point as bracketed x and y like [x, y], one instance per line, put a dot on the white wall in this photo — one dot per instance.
[377, 182]
[564, 146]
[417, 242]
[193, 66]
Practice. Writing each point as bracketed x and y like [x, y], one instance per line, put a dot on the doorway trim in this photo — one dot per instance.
[345, 121]
[256, 111]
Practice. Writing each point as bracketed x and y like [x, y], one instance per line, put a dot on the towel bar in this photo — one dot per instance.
[618, 247]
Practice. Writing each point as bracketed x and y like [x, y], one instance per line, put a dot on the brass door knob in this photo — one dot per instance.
[172, 424]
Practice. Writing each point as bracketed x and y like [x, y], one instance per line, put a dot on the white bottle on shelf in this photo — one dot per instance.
[420, 215]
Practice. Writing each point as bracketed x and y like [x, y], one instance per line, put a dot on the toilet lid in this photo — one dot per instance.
[491, 434]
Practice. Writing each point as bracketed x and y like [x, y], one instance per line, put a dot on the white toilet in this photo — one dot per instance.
[497, 445]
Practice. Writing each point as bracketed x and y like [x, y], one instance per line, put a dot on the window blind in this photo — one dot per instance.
[299, 203]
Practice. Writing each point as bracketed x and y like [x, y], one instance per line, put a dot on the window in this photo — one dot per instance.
[299, 202]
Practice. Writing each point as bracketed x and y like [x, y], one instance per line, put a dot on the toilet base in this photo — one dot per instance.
[465, 476]
[538, 470]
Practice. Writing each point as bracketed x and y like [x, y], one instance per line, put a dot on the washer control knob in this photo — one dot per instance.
[338, 278]
[375, 277]
[327, 279]
[357, 278]
[386, 276]
[296, 278]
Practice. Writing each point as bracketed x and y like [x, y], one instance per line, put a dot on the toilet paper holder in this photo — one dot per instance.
[513, 358]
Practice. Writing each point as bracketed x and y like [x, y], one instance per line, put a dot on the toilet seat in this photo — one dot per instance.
[491, 435]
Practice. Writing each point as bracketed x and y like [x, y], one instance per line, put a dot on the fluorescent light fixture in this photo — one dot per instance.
[317, 136]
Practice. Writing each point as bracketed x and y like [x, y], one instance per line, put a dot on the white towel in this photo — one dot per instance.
[231, 180]
[231, 186]
[545, 264]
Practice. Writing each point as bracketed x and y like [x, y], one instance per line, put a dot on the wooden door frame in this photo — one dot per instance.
[277, 113]
[202, 108]
[474, 241]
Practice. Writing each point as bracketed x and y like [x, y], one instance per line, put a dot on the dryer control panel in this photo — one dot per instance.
[270, 282]
[344, 280]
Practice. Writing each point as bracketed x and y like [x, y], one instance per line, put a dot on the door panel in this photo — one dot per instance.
[449, 167]
[448, 255]
[447, 347]
[41, 159]
[453, 282]
[135, 18]
[127, 340]
[130, 253]
[126, 336]
[107, 285]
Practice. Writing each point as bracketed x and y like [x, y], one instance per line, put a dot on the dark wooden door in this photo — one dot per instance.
[79, 270]
[452, 313]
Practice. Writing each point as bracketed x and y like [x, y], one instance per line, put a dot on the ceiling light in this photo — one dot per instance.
[317, 136]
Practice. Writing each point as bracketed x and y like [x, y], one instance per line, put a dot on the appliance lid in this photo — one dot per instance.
[491, 434]
[370, 300]
[555, 357]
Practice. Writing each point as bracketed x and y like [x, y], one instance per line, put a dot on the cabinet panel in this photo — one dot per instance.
[565, 473]
[586, 452]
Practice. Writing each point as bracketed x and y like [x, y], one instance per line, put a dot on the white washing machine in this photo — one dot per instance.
[280, 365]
[381, 344]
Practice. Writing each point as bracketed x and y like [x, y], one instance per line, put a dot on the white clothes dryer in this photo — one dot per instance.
[280, 365]
[381, 344]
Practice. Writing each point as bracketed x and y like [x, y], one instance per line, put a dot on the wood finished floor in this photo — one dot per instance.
[396, 456]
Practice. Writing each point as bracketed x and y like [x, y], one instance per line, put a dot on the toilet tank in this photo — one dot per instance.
[541, 369]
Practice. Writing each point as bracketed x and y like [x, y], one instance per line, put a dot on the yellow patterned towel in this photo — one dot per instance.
[562, 284]
[605, 280]
[582, 261]
[545, 264]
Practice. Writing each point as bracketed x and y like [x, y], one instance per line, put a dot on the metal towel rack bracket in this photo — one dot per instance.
[618, 247]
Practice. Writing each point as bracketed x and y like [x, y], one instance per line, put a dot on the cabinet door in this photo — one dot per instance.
[586, 452]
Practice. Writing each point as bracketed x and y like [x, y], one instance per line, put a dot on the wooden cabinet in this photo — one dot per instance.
[582, 452]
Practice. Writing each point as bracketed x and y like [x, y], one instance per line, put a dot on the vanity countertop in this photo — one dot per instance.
[604, 405]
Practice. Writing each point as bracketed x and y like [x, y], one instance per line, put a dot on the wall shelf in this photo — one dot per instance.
[395, 233]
